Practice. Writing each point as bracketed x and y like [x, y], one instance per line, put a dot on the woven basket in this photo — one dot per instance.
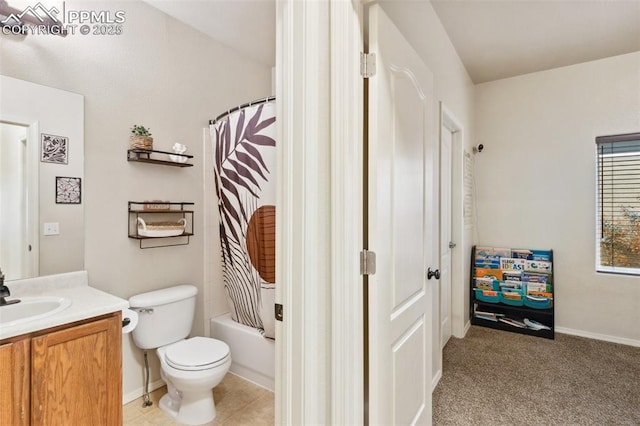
[141, 142]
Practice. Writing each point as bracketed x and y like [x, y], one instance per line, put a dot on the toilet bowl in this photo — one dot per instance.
[192, 368]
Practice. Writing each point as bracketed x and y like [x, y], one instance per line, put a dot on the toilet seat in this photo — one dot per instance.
[197, 353]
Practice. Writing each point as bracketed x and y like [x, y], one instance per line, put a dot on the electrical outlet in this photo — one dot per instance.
[51, 228]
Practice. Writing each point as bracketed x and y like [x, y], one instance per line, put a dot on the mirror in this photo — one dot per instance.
[41, 179]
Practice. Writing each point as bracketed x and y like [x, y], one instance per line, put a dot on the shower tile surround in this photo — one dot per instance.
[238, 402]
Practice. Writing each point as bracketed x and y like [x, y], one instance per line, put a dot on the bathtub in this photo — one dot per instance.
[253, 356]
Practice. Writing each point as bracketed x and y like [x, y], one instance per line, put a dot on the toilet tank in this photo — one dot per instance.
[164, 316]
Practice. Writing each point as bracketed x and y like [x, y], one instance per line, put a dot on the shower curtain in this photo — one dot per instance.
[244, 158]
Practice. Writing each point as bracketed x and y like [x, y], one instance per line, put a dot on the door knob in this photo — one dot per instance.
[452, 244]
[432, 274]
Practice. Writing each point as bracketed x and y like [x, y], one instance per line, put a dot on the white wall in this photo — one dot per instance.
[536, 181]
[162, 74]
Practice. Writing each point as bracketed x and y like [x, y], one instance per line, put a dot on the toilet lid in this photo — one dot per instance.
[197, 353]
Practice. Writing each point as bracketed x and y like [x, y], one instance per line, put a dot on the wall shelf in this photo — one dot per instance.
[158, 157]
[168, 211]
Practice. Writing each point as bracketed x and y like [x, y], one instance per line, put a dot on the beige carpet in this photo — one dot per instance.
[493, 377]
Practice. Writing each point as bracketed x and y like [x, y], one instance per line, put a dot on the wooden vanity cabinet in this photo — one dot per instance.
[14, 382]
[72, 375]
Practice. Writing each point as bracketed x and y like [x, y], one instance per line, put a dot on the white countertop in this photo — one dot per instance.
[86, 301]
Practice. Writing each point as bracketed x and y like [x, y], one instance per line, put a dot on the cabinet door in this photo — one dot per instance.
[14, 383]
[76, 375]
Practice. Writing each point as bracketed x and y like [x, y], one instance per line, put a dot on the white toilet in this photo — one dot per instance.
[191, 367]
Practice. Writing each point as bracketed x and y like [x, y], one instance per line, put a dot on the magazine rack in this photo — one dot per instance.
[498, 301]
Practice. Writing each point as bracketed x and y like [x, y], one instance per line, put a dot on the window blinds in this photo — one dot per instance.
[618, 233]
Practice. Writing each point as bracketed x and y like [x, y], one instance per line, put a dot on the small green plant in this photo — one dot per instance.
[140, 131]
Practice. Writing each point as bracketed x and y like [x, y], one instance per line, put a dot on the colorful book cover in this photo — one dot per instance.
[512, 322]
[538, 266]
[512, 275]
[541, 293]
[487, 258]
[488, 272]
[485, 283]
[511, 295]
[512, 264]
[502, 252]
[484, 251]
[488, 264]
[544, 255]
[511, 284]
[533, 277]
[538, 288]
[522, 254]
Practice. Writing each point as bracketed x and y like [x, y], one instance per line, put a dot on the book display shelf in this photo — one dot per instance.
[512, 290]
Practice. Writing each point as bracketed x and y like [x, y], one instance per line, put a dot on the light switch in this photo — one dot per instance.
[51, 228]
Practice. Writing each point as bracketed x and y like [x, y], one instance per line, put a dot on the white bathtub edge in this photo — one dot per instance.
[252, 355]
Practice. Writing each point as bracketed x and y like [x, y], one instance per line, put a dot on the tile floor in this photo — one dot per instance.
[238, 402]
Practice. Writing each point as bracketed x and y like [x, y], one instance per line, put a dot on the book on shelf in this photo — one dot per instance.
[538, 288]
[544, 255]
[502, 252]
[485, 283]
[522, 254]
[512, 322]
[488, 272]
[494, 319]
[512, 264]
[546, 294]
[508, 285]
[538, 266]
[535, 277]
[512, 275]
[484, 251]
[535, 325]
[490, 316]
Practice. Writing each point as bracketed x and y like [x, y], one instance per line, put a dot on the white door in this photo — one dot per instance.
[446, 144]
[19, 199]
[401, 216]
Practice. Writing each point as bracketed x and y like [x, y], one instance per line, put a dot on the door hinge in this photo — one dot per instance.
[279, 312]
[367, 262]
[367, 64]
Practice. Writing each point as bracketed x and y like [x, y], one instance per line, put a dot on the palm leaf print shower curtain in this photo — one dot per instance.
[244, 172]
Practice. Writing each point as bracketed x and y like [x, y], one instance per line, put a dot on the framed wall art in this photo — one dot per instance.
[54, 149]
[68, 190]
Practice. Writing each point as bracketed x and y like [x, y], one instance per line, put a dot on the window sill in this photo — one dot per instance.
[618, 270]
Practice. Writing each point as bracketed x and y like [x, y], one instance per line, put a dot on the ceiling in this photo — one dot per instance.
[248, 26]
[498, 39]
[494, 38]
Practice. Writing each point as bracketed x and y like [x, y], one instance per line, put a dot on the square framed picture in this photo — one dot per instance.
[54, 149]
[68, 190]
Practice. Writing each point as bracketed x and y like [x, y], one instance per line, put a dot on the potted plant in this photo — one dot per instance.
[140, 138]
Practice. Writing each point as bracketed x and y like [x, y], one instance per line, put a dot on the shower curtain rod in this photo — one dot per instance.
[238, 108]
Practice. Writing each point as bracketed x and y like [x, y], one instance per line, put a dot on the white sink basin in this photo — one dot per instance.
[31, 308]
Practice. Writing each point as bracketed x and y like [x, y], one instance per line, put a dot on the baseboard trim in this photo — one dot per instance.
[135, 394]
[467, 326]
[436, 380]
[597, 336]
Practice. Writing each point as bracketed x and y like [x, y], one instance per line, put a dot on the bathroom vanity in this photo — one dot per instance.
[66, 368]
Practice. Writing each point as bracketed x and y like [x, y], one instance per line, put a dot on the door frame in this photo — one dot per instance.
[319, 194]
[449, 121]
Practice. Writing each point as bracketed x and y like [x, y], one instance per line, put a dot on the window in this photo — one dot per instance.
[618, 209]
